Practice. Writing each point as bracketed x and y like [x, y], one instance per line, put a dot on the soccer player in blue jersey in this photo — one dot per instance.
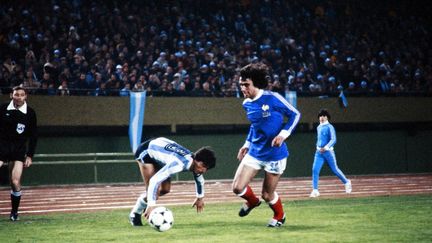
[326, 139]
[264, 147]
[158, 160]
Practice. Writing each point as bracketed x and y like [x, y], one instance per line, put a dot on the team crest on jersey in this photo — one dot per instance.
[20, 128]
[265, 110]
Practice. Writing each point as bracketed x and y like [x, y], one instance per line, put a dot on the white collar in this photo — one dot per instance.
[324, 123]
[259, 94]
[23, 108]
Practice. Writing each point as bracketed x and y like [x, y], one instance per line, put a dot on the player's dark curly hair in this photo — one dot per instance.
[324, 112]
[207, 156]
[257, 72]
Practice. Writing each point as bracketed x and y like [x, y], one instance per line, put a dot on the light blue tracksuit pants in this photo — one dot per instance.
[330, 158]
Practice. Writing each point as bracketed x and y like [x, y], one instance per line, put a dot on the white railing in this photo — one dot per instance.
[84, 158]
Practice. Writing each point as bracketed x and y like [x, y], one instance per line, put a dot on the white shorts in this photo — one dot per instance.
[274, 167]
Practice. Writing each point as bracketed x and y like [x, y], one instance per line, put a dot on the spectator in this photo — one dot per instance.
[63, 89]
[212, 45]
[138, 87]
[125, 90]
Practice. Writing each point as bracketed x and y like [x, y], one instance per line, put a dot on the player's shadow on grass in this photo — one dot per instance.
[247, 225]
[24, 220]
[294, 228]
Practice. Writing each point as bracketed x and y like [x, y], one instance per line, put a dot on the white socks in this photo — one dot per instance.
[140, 204]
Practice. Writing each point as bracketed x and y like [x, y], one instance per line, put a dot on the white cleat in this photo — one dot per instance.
[276, 223]
[348, 187]
[314, 193]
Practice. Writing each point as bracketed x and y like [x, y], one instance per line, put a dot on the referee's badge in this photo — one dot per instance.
[265, 110]
[20, 128]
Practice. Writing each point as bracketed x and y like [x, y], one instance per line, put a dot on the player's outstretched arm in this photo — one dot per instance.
[28, 161]
[199, 204]
[242, 152]
[277, 141]
[148, 210]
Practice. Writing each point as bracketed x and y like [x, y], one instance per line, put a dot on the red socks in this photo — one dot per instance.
[250, 196]
[276, 206]
[252, 201]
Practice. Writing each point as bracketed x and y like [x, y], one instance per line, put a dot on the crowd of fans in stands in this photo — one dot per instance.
[196, 48]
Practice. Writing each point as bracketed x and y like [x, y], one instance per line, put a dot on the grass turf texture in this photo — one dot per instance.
[373, 219]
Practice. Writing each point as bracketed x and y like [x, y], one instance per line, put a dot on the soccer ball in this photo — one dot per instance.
[161, 219]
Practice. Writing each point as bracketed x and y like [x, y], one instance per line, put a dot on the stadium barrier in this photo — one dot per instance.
[84, 112]
[96, 165]
[66, 160]
[375, 135]
[94, 159]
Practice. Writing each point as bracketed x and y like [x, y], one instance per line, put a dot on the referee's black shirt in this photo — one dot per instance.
[18, 127]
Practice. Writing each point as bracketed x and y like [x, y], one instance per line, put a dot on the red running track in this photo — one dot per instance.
[80, 198]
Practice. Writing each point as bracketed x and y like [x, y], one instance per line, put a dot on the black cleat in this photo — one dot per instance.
[135, 219]
[245, 209]
[13, 216]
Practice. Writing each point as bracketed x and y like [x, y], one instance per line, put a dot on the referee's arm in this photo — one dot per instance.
[33, 136]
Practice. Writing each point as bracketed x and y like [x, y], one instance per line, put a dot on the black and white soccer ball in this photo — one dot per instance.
[161, 219]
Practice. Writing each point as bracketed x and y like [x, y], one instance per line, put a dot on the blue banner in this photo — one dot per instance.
[136, 118]
[343, 100]
[291, 97]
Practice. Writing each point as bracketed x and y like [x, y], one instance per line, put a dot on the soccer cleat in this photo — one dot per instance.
[314, 193]
[245, 209]
[276, 223]
[348, 187]
[135, 219]
[13, 216]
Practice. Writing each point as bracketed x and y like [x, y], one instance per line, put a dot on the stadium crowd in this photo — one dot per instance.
[196, 48]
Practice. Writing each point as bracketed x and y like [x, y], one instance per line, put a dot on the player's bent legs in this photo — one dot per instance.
[269, 186]
[15, 173]
[242, 178]
[241, 188]
[270, 195]
[316, 169]
[165, 187]
[331, 161]
[147, 171]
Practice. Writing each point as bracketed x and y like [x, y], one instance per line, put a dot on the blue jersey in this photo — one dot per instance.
[326, 136]
[172, 158]
[266, 112]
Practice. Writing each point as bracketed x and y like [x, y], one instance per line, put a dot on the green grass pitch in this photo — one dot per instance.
[372, 219]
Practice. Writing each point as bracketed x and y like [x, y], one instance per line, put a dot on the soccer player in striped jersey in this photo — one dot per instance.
[264, 147]
[158, 160]
[326, 139]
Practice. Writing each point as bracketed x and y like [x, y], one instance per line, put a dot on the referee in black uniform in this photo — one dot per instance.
[18, 137]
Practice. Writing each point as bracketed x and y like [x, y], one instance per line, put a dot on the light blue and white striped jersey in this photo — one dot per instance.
[266, 112]
[326, 136]
[173, 158]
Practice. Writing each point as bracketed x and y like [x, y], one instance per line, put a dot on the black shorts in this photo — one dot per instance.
[141, 153]
[12, 151]
[142, 156]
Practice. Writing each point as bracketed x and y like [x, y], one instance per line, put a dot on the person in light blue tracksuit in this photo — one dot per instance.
[326, 139]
